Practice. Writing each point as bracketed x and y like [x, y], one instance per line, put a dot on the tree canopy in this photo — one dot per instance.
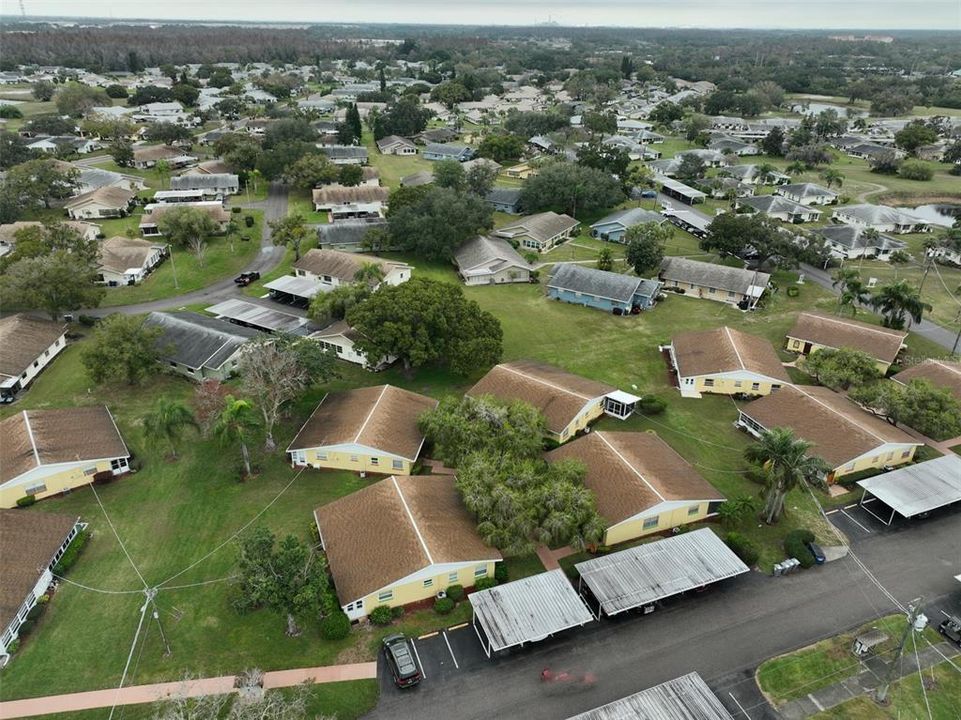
[570, 188]
[930, 410]
[437, 221]
[405, 117]
[122, 348]
[756, 236]
[645, 245]
[841, 369]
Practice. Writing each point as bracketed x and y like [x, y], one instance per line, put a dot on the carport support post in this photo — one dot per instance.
[914, 607]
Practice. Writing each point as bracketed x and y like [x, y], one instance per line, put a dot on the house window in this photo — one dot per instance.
[397, 464]
[90, 471]
[710, 291]
[385, 596]
[173, 364]
[321, 456]
[906, 453]
[374, 461]
[708, 382]
[359, 604]
[36, 363]
[480, 571]
[36, 489]
[353, 458]
[755, 386]
[298, 457]
[730, 293]
[650, 522]
[796, 344]
[429, 582]
[46, 353]
[452, 578]
[775, 387]
[327, 278]
[850, 467]
[693, 510]
[118, 464]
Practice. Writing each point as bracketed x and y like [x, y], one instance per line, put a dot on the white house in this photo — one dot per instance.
[104, 202]
[808, 194]
[127, 261]
[880, 218]
[396, 145]
[340, 339]
[27, 346]
[333, 268]
[485, 260]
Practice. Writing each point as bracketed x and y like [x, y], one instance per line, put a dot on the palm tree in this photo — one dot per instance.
[846, 280]
[786, 465]
[897, 301]
[369, 273]
[167, 421]
[235, 424]
[832, 177]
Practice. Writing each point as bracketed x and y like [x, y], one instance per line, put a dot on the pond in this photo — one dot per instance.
[816, 108]
[941, 214]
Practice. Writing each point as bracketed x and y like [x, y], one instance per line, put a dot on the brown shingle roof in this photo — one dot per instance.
[558, 394]
[340, 265]
[109, 196]
[383, 418]
[339, 194]
[216, 211]
[394, 528]
[45, 437]
[724, 349]
[939, 373]
[839, 430]
[122, 253]
[23, 339]
[9, 231]
[156, 152]
[28, 541]
[878, 342]
[630, 472]
[542, 226]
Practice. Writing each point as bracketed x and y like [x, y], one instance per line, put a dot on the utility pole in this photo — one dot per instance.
[927, 268]
[914, 609]
[151, 596]
[957, 338]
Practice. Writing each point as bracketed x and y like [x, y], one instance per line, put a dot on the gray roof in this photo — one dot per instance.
[421, 177]
[528, 610]
[878, 215]
[260, 316]
[198, 341]
[201, 181]
[853, 236]
[647, 573]
[389, 140]
[777, 204]
[679, 187]
[347, 232]
[804, 190]
[591, 281]
[706, 274]
[448, 149]
[302, 287]
[541, 227]
[486, 250]
[344, 152]
[918, 488]
[630, 217]
[504, 196]
[684, 698]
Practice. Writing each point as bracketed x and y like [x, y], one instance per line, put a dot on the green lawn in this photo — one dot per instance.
[393, 167]
[299, 201]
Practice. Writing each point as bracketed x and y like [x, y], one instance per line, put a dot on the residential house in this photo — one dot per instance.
[815, 331]
[43, 453]
[808, 194]
[27, 346]
[485, 260]
[714, 282]
[9, 232]
[357, 201]
[752, 175]
[170, 197]
[94, 178]
[710, 158]
[780, 208]
[853, 241]
[569, 403]
[64, 144]
[725, 361]
[723, 188]
[521, 171]
[104, 202]
[31, 544]
[872, 151]
[601, 289]
[213, 185]
[505, 200]
[640, 483]
[347, 235]
[128, 261]
[372, 429]
[401, 541]
[436, 135]
[733, 146]
[199, 347]
[880, 218]
[942, 374]
[421, 177]
[345, 154]
[846, 437]
[145, 158]
[447, 151]
[540, 144]
[333, 268]
[541, 232]
[212, 167]
[396, 145]
[341, 339]
[149, 226]
[615, 226]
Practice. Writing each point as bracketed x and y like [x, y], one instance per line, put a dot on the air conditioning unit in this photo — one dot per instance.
[363, 474]
[441, 594]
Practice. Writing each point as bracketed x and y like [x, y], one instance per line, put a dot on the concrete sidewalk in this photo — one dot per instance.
[139, 694]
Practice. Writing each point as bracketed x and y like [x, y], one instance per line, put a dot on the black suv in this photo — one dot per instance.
[399, 654]
[245, 278]
[951, 629]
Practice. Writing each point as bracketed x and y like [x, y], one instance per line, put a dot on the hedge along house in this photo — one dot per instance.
[846, 437]
[569, 403]
[45, 452]
[31, 544]
[401, 541]
[816, 331]
[601, 289]
[725, 361]
[372, 429]
[27, 346]
[641, 485]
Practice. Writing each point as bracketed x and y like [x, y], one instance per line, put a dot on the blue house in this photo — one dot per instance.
[613, 227]
[600, 289]
[447, 151]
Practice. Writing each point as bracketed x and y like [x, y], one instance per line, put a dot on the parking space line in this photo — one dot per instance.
[428, 635]
[867, 530]
[741, 707]
[423, 673]
[451, 651]
[458, 627]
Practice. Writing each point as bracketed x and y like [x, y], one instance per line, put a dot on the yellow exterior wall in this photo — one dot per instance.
[875, 462]
[666, 520]
[587, 416]
[339, 460]
[727, 386]
[797, 345]
[700, 291]
[69, 477]
[416, 591]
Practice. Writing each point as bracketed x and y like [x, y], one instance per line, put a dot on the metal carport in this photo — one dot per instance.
[686, 697]
[527, 610]
[647, 573]
[915, 489]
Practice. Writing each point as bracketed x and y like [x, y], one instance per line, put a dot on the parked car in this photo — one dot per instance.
[245, 278]
[648, 194]
[399, 654]
[817, 552]
[951, 629]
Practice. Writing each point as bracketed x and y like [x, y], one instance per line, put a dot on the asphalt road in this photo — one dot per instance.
[274, 207]
[723, 634]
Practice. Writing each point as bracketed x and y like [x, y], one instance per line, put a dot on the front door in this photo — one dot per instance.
[807, 349]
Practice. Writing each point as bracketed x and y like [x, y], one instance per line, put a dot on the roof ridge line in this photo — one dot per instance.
[945, 366]
[33, 442]
[545, 382]
[727, 332]
[413, 522]
[371, 413]
[840, 414]
[629, 466]
[886, 331]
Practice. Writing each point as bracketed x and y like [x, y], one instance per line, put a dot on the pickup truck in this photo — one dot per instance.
[245, 278]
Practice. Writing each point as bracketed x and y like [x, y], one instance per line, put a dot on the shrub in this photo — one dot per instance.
[335, 626]
[26, 501]
[13, 646]
[249, 220]
[793, 291]
[743, 548]
[25, 627]
[235, 210]
[651, 405]
[381, 615]
[794, 546]
[103, 477]
[87, 320]
[501, 572]
[35, 612]
[455, 592]
[313, 533]
[916, 170]
[443, 606]
[485, 583]
[397, 612]
[10, 112]
[70, 555]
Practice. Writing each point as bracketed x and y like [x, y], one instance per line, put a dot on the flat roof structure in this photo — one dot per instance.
[647, 573]
[300, 287]
[527, 610]
[915, 489]
[685, 698]
[259, 317]
[678, 190]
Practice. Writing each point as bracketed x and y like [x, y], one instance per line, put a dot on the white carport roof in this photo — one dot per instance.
[647, 573]
[527, 610]
[920, 488]
[303, 287]
[687, 697]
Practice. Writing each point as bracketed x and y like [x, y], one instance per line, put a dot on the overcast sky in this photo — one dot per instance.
[867, 14]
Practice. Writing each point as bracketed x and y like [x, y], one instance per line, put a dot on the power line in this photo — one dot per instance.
[97, 590]
[694, 437]
[917, 659]
[198, 584]
[116, 535]
[133, 646]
